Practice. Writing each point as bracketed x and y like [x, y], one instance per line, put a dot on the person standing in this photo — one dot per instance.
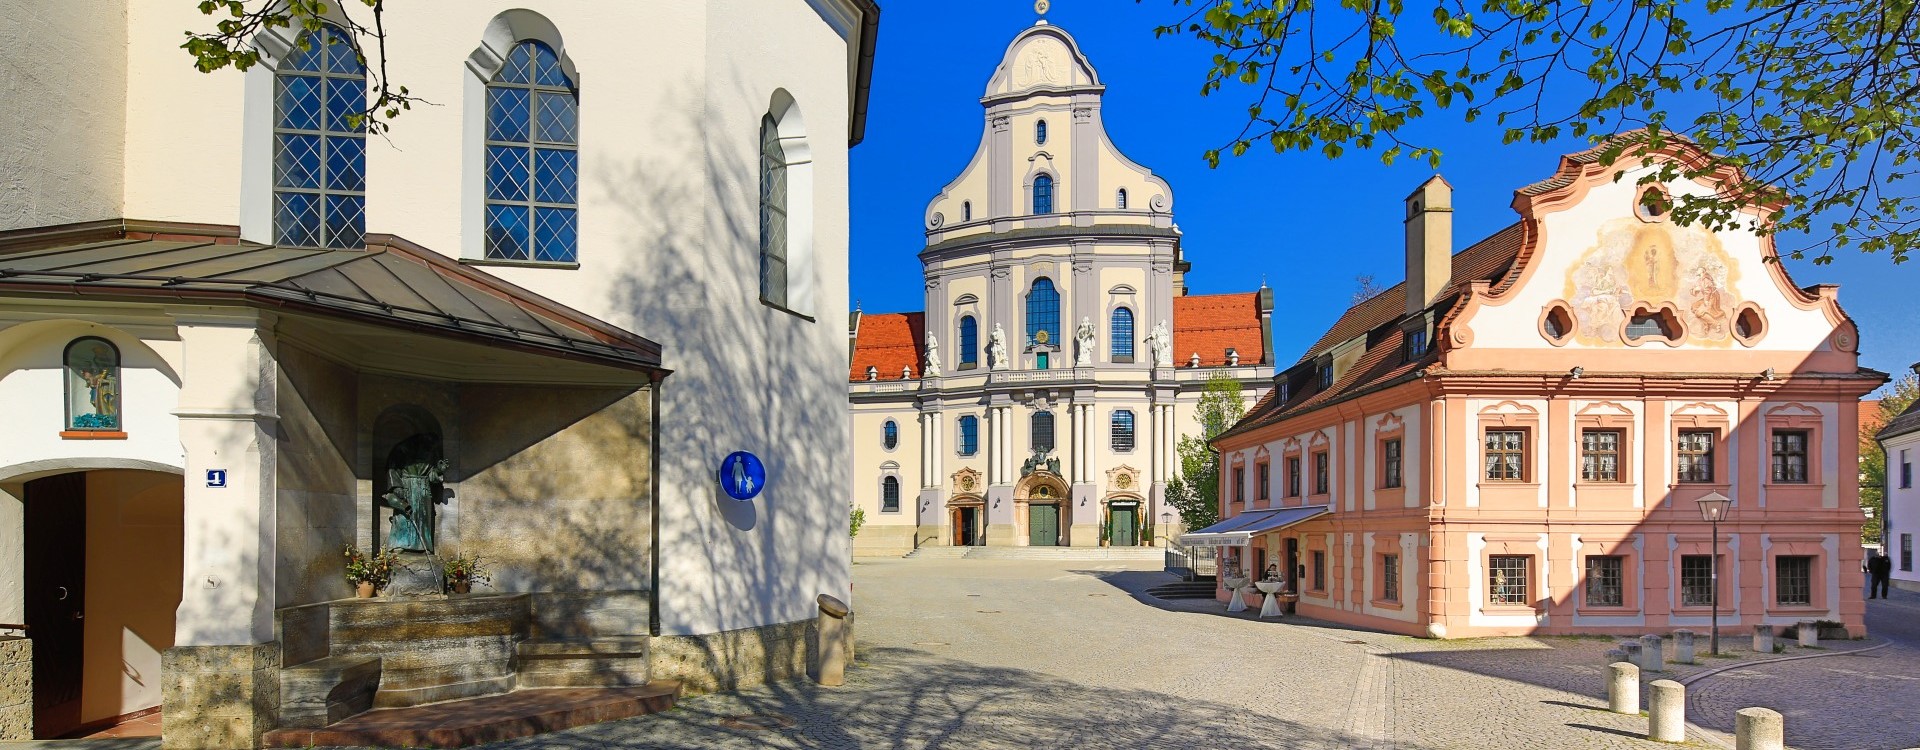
[1880, 568]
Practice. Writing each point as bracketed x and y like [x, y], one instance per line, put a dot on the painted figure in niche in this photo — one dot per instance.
[93, 385]
[1707, 316]
[1599, 299]
[1650, 265]
[415, 472]
[1659, 265]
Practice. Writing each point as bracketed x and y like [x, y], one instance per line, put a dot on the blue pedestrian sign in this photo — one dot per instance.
[216, 477]
[742, 475]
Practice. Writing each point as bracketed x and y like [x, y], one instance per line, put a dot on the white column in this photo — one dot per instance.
[993, 447]
[1074, 447]
[1006, 434]
[939, 445]
[228, 415]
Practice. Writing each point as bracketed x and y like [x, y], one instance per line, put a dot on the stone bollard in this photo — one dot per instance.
[1667, 711]
[833, 646]
[1652, 652]
[1763, 639]
[1759, 729]
[1615, 654]
[1633, 650]
[1623, 688]
[1683, 646]
[1809, 633]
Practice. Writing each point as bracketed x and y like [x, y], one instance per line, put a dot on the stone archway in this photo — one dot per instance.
[1123, 515]
[1041, 501]
[967, 521]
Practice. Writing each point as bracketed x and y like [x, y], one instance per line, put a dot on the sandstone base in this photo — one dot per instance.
[16, 688]
[219, 697]
[884, 541]
[738, 659]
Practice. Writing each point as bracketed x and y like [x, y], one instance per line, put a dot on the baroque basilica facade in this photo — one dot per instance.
[1038, 398]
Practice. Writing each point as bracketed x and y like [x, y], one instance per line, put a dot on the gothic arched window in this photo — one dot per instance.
[969, 342]
[93, 385]
[320, 143]
[1042, 194]
[1043, 312]
[1121, 333]
[533, 159]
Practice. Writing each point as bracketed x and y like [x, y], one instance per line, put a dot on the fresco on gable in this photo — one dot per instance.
[1635, 263]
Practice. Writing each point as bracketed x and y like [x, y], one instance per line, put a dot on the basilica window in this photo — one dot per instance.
[969, 343]
[1043, 312]
[773, 214]
[320, 143]
[890, 495]
[890, 435]
[1042, 194]
[1122, 430]
[93, 385]
[533, 159]
[1040, 133]
[1041, 433]
[969, 435]
[1121, 334]
[1120, 198]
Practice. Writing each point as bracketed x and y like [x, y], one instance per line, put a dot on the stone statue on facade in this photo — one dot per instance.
[415, 472]
[997, 348]
[1160, 342]
[932, 370]
[1084, 337]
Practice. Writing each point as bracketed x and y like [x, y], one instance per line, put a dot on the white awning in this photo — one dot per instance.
[1240, 529]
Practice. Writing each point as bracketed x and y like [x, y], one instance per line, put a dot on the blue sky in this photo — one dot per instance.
[1307, 224]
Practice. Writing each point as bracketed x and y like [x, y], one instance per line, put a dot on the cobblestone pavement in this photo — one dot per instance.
[1869, 701]
[1043, 654]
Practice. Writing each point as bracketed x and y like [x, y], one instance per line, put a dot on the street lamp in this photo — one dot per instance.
[1713, 508]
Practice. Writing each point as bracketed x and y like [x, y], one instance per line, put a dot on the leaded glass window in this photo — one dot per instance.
[320, 143]
[533, 159]
[1507, 580]
[1696, 580]
[1122, 334]
[1042, 432]
[890, 434]
[1042, 194]
[1506, 455]
[969, 435]
[969, 343]
[1694, 456]
[1604, 581]
[93, 385]
[1122, 435]
[773, 214]
[890, 495]
[1600, 455]
[1790, 456]
[1040, 133]
[1043, 312]
[1793, 580]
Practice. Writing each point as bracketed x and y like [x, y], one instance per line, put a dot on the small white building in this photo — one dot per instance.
[1900, 439]
[231, 320]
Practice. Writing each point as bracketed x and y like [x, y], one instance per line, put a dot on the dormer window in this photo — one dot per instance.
[1326, 376]
[1040, 133]
[1416, 344]
[1283, 391]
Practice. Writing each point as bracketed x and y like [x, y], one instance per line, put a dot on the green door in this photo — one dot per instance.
[1126, 528]
[1043, 525]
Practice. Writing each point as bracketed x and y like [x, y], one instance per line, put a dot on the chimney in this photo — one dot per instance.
[1429, 243]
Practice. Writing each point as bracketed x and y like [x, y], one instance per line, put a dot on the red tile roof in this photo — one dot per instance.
[1382, 364]
[1210, 323]
[889, 342]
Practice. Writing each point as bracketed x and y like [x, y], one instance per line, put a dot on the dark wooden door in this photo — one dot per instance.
[1125, 528]
[1043, 525]
[1294, 571]
[56, 547]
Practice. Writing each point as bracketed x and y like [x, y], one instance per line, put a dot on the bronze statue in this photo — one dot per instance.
[415, 470]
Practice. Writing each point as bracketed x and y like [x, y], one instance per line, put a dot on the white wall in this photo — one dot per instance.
[1903, 506]
[63, 82]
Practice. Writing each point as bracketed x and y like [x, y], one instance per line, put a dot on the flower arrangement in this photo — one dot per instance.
[373, 570]
[463, 570]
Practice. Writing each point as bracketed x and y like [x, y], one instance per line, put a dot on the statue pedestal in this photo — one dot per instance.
[416, 576]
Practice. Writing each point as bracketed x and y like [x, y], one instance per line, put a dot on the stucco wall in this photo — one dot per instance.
[63, 76]
[134, 554]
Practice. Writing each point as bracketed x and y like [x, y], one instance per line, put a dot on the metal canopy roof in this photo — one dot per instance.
[391, 282]
[1240, 529]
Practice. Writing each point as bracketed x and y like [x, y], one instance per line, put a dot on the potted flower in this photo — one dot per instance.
[462, 571]
[369, 572]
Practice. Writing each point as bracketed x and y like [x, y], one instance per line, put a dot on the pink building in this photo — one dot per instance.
[1514, 439]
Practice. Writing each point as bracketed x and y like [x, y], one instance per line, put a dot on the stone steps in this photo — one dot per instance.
[939, 553]
[1183, 590]
[596, 662]
[474, 721]
[1065, 553]
[326, 690]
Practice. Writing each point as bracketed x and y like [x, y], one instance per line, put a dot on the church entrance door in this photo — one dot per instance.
[966, 527]
[1126, 528]
[1043, 525]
